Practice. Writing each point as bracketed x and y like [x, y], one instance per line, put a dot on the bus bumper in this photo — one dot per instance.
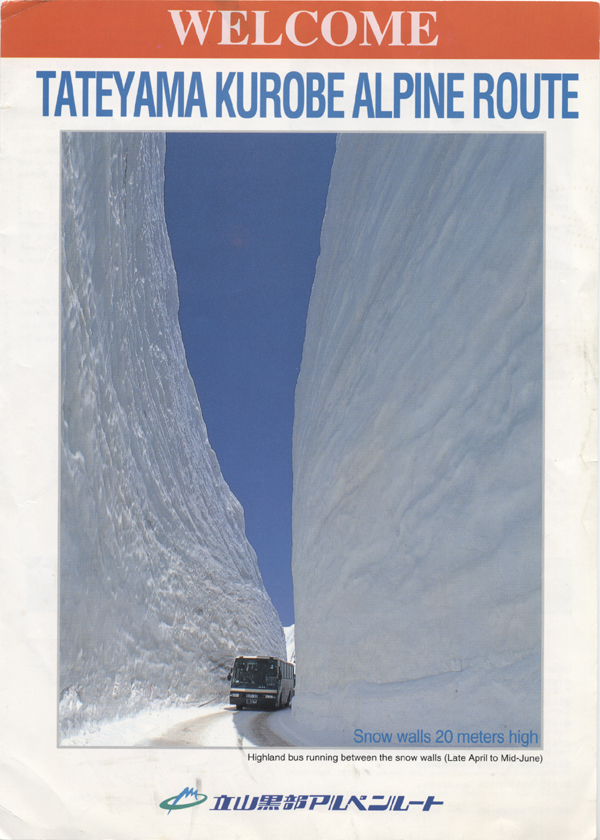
[251, 698]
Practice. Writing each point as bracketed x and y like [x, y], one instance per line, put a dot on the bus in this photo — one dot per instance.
[261, 681]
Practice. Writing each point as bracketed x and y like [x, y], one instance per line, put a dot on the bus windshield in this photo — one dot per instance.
[258, 673]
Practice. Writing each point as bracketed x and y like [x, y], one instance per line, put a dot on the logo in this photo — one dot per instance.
[307, 802]
[173, 802]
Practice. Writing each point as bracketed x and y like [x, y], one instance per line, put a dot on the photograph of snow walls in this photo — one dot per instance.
[395, 463]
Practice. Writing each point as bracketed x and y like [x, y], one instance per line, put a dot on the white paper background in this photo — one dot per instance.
[114, 793]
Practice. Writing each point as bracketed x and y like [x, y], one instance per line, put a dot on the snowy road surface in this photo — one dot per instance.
[223, 728]
[214, 724]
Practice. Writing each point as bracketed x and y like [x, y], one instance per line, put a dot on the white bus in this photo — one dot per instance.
[261, 681]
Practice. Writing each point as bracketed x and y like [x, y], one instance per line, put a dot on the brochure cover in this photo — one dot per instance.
[299, 419]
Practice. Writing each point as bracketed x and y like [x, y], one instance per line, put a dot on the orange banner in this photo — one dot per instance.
[231, 29]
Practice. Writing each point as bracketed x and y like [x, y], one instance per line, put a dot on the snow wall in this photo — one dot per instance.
[159, 588]
[417, 517]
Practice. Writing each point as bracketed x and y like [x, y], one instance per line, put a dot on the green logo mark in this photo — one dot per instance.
[173, 803]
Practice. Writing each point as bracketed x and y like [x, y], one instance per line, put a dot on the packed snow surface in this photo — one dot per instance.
[160, 589]
[417, 513]
[290, 642]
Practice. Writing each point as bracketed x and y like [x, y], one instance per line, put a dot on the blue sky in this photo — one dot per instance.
[244, 213]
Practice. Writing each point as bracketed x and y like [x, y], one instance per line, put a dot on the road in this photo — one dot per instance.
[225, 728]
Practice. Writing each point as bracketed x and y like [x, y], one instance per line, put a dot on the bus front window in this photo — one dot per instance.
[257, 673]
